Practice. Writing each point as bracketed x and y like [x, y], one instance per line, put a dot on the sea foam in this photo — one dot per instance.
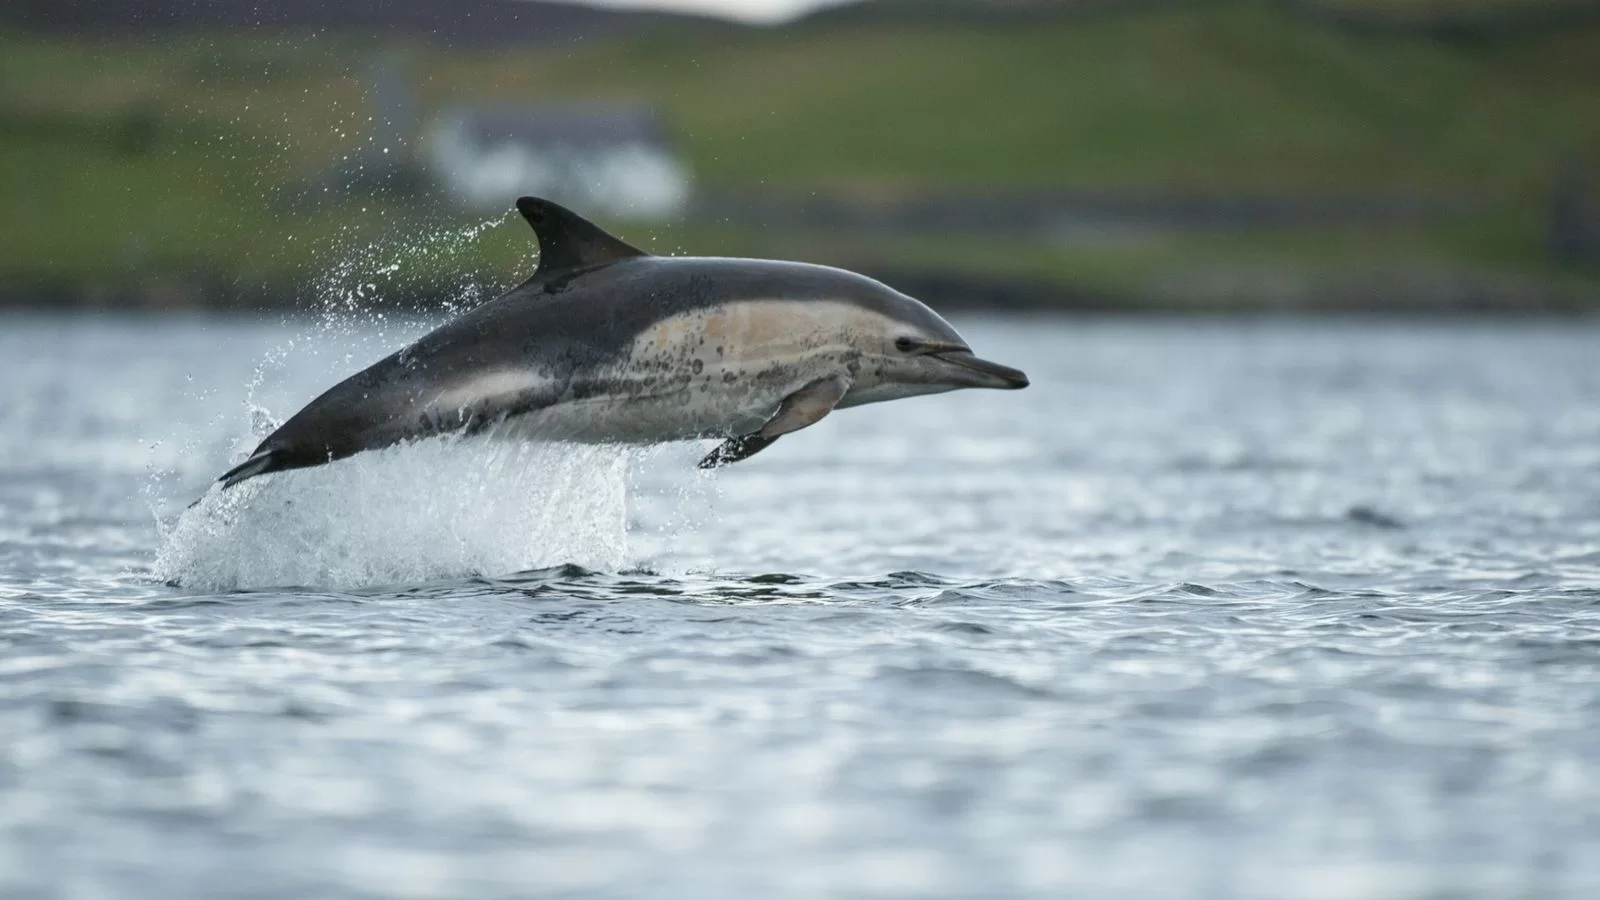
[434, 509]
[431, 510]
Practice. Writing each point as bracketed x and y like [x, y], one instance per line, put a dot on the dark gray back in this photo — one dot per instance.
[570, 322]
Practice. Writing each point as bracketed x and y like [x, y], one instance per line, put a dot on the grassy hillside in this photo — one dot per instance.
[1235, 94]
[169, 157]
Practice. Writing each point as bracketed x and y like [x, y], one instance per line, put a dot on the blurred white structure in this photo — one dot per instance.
[598, 160]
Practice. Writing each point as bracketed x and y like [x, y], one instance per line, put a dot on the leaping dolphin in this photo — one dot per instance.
[608, 344]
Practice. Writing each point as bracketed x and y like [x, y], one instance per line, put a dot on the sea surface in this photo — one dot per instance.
[1268, 609]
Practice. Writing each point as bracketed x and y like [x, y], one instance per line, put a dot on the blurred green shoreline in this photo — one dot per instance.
[188, 170]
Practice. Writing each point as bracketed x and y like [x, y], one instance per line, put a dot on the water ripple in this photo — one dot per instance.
[1285, 608]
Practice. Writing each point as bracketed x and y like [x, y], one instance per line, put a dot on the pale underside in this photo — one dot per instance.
[717, 371]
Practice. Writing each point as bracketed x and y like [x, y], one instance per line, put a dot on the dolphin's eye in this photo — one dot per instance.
[905, 344]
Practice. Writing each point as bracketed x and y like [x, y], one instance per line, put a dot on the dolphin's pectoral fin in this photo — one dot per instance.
[736, 448]
[804, 407]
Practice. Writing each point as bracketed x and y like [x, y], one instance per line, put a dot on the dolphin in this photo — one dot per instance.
[609, 344]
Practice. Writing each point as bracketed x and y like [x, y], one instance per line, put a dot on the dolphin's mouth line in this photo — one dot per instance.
[1014, 378]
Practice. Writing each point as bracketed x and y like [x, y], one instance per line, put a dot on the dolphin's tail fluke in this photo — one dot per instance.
[260, 463]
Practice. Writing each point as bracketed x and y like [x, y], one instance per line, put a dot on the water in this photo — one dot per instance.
[1296, 609]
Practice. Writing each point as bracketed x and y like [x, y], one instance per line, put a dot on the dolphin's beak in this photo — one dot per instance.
[992, 374]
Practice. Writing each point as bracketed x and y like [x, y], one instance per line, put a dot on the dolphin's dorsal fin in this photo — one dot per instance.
[569, 242]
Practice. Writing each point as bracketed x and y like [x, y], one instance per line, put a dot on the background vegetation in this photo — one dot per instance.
[192, 166]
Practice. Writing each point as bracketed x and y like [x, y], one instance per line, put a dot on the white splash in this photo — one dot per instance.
[436, 509]
[431, 510]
